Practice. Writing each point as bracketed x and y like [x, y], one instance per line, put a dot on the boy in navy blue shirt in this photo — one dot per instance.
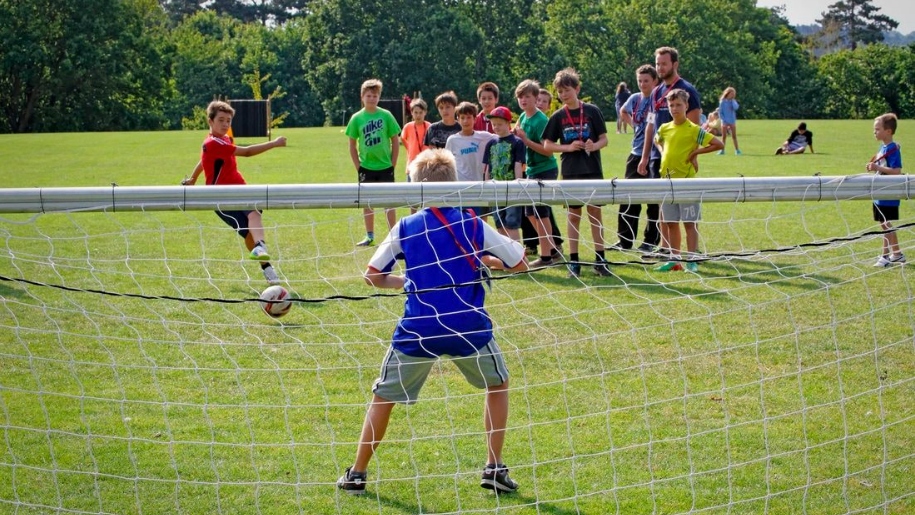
[503, 160]
[888, 161]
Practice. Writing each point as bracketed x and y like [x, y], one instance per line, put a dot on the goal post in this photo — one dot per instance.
[602, 192]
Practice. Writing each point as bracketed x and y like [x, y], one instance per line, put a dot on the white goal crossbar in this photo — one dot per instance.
[296, 196]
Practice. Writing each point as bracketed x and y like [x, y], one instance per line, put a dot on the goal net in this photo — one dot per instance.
[138, 374]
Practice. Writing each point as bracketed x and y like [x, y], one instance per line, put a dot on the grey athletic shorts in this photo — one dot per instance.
[689, 212]
[403, 376]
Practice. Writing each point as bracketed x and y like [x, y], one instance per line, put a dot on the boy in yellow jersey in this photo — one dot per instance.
[681, 141]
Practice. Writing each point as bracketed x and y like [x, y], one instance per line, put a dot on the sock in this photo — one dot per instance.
[554, 252]
[260, 243]
[370, 235]
[600, 256]
[574, 257]
[264, 265]
[546, 259]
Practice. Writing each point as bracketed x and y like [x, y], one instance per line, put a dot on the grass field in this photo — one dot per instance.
[776, 383]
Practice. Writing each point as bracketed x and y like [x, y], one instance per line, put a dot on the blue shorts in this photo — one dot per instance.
[508, 217]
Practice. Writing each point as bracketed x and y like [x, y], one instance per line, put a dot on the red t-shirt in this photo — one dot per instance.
[218, 158]
[482, 123]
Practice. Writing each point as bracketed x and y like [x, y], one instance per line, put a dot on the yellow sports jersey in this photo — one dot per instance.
[678, 142]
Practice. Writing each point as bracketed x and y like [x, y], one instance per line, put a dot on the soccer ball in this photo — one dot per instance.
[274, 301]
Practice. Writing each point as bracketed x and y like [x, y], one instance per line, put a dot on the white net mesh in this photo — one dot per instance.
[137, 374]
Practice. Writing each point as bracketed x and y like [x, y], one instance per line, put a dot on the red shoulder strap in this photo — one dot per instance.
[470, 257]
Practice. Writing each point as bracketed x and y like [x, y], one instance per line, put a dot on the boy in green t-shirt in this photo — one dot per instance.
[681, 141]
[540, 165]
[373, 146]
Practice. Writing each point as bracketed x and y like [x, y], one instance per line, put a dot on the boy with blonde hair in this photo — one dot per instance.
[373, 146]
[887, 161]
[681, 141]
[445, 251]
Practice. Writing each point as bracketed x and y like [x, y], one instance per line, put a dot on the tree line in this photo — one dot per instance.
[112, 65]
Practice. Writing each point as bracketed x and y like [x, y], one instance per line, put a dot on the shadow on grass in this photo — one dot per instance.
[522, 500]
[755, 272]
[10, 292]
[740, 273]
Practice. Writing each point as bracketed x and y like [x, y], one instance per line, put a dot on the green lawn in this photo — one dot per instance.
[781, 382]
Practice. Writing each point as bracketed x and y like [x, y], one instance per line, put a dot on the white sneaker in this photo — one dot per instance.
[270, 275]
[897, 259]
[882, 262]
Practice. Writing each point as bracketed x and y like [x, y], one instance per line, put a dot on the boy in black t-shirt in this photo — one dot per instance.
[578, 131]
[438, 132]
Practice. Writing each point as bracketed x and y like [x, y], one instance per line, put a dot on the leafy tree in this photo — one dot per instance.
[177, 10]
[265, 12]
[64, 67]
[591, 40]
[301, 101]
[511, 44]
[207, 61]
[848, 23]
[347, 42]
[426, 59]
[866, 82]
[740, 45]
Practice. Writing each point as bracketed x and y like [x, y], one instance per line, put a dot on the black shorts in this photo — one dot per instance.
[586, 177]
[885, 213]
[632, 168]
[367, 176]
[542, 210]
[237, 220]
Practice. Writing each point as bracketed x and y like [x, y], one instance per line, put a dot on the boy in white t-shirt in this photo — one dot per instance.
[467, 147]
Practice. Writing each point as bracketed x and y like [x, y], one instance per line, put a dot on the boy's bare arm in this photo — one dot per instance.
[626, 117]
[880, 170]
[713, 146]
[593, 146]
[380, 280]
[260, 148]
[496, 264]
[536, 146]
[354, 153]
[519, 170]
[395, 150]
[646, 147]
[552, 146]
[193, 179]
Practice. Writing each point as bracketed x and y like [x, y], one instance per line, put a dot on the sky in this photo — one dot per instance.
[806, 12]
